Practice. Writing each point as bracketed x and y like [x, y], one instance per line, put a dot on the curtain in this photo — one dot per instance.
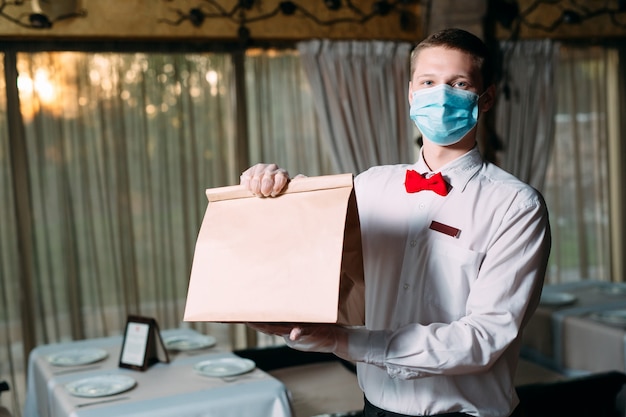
[11, 359]
[282, 125]
[360, 95]
[577, 182]
[558, 116]
[117, 164]
[616, 83]
[119, 148]
[525, 108]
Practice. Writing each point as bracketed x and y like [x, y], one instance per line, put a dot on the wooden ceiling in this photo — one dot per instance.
[217, 20]
[222, 20]
[584, 20]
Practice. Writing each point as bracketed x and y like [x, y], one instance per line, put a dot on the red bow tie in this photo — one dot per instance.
[417, 182]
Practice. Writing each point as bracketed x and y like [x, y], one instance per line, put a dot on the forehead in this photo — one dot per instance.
[444, 62]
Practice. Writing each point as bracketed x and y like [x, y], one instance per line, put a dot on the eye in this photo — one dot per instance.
[427, 83]
[460, 84]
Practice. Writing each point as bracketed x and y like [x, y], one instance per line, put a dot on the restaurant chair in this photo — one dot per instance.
[593, 395]
[4, 412]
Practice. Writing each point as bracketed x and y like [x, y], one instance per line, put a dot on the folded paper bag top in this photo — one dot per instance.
[292, 258]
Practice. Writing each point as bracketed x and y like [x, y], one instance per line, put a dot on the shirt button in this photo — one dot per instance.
[422, 205]
[413, 243]
[406, 286]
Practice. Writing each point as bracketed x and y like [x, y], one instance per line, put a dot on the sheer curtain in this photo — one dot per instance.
[559, 123]
[577, 183]
[119, 148]
[360, 95]
[282, 125]
[525, 108]
[617, 155]
[117, 163]
[11, 358]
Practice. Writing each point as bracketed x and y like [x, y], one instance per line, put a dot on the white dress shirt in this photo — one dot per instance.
[444, 313]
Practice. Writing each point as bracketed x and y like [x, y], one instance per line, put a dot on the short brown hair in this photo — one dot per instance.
[461, 40]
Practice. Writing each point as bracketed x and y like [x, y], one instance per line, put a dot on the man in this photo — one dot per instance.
[451, 274]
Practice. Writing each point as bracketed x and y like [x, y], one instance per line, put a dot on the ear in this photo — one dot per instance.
[488, 99]
[409, 94]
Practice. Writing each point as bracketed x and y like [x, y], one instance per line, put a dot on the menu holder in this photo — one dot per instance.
[142, 346]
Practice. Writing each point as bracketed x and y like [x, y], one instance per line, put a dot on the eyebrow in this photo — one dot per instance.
[455, 77]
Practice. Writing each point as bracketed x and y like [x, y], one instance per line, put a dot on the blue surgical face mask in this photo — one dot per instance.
[444, 114]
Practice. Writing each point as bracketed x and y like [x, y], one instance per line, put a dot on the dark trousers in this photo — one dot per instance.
[370, 410]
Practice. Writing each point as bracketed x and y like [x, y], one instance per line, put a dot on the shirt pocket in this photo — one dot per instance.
[448, 277]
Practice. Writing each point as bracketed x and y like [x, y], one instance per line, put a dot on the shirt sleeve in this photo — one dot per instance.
[502, 298]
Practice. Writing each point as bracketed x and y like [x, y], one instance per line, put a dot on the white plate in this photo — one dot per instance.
[188, 342]
[557, 298]
[610, 316]
[72, 357]
[224, 367]
[101, 386]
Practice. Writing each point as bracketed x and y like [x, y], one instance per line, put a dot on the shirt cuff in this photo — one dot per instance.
[367, 346]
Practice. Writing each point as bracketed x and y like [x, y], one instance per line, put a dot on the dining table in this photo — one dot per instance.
[579, 328]
[83, 379]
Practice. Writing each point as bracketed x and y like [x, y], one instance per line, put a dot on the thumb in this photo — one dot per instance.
[295, 334]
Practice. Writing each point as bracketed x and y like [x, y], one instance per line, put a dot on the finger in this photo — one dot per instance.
[246, 177]
[270, 181]
[265, 180]
[259, 174]
[295, 333]
[281, 179]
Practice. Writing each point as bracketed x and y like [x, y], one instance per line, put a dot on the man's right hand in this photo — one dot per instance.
[265, 180]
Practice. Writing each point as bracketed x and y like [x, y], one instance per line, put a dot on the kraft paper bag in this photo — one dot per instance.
[292, 258]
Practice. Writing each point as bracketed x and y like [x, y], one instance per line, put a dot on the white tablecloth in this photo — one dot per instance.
[163, 390]
[568, 338]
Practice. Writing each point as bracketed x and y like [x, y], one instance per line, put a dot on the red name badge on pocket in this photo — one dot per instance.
[445, 229]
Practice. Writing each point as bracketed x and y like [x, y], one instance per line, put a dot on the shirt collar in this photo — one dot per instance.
[457, 172]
